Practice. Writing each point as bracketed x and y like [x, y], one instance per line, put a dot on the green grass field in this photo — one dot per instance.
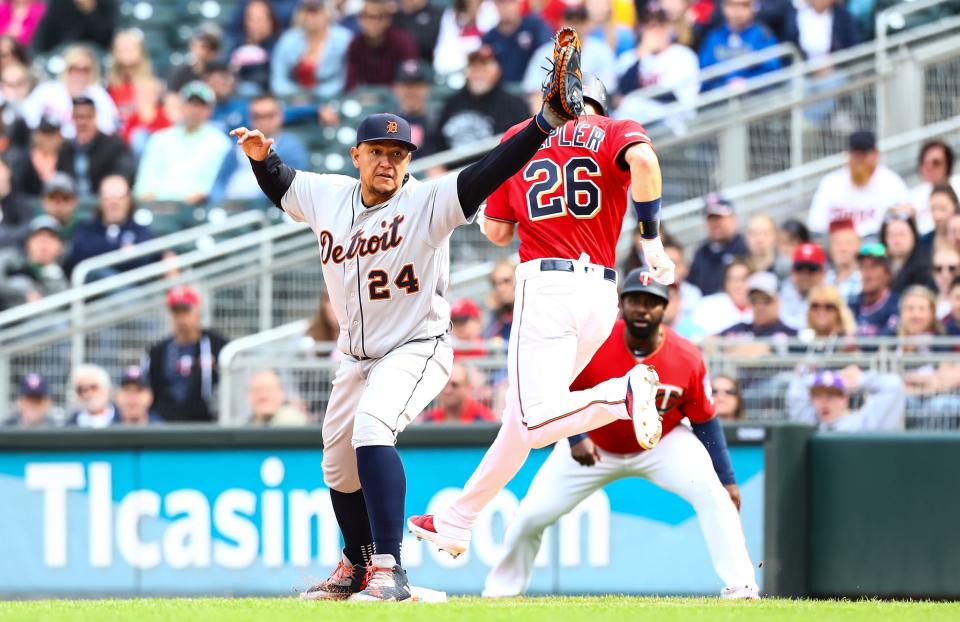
[590, 609]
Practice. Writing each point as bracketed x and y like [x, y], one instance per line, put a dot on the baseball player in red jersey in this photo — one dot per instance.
[568, 205]
[690, 462]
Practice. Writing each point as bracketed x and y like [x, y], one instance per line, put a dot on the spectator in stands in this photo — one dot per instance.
[481, 109]
[13, 52]
[918, 319]
[134, 398]
[808, 271]
[378, 49]
[19, 19]
[596, 58]
[150, 116]
[69, 21]
[182, 368]
[739, 35]
[229, 111]
[268, 402]
[37, 272]
[842, 246]
[946, 267]
[953, 231]
[113, 227]
[91, 393]
[828, 316]
[821, 27]
[461, 31]
[604, 28]
[935, 167]
[657, 60]
[33, 168]
[826, 400]
[411, 90]
[515, 38]
[687, 296]
[467, 329]
[59, 200]
[250, 55]
[324, 328]
[16, 82]
[456, 404]
[723, 245]
[944, 204]
[500, 301]
[15, 211]
[764, 301]
[237, 28]
[727, 399]
[421, 20]
[34, 406]
[310, 58]
[875, 309]
[861, 191]
[684, 20]
[236, 181]
[761, 240]
[129, 60]
[204, 48]
[53, 100]
[181, 162]
[910, 265]
[951, 324]
[728, 307]
[791, 234]
[91, 155]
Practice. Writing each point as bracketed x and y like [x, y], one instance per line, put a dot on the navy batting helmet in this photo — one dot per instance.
[595, 93]
[640, 280]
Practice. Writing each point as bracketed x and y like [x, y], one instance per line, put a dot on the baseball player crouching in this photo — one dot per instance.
[384, 249]
[691, 462]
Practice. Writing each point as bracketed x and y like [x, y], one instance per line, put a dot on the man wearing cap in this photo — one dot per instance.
[466, 328]
[765, 302]
[181, 369]
[876, 308]
[134, 399]
[861, 191]
[180, 163]
[37, 272]
[205, 46]
[722, 246]
[378, 49]
[59, 201]
[843, 243]
[92, 155]
[411, 90]
[515, 38]
[34, 406]
[824, 400]
[691, 462]
[809, 270]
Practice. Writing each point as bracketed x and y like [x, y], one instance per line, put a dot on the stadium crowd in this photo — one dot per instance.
[96, 140]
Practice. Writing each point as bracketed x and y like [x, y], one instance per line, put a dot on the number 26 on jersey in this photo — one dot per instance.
[556, 190]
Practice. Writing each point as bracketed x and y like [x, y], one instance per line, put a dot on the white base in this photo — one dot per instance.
[426, 595]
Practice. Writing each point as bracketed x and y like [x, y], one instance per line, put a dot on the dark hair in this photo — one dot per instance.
[737, 261]
[271, 14]
[903, 217]
[954, 283]
[264, 96]
[948, 190]
[19, 51]
[796, 229]
[935, 144]
[737, 393]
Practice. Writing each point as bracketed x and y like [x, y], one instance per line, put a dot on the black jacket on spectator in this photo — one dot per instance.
[845, 31]
[15, 215]
[108, 155]
[423, 26]
[64, 23]
[94, 238]
[467, 118]
[915, 271]
[201, 379]
[706, 271]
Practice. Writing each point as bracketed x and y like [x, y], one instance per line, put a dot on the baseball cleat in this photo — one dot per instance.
[384, 581]
[424, 527]
[345, 580]
[740, 592]
[642, 383]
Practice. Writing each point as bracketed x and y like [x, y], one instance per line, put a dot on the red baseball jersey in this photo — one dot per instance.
[684, 385]
[571, 197]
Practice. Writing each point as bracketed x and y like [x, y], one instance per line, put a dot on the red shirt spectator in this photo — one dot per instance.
[378, 49]
[455, 404]
[465, 316]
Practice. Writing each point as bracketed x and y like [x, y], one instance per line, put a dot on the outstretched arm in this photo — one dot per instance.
[646, 186]
[273, 176]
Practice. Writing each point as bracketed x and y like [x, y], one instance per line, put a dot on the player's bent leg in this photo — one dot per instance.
[559, 485]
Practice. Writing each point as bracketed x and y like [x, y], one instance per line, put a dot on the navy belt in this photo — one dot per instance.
[565, 265]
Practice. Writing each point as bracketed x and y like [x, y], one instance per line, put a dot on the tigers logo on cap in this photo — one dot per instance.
[391, 127]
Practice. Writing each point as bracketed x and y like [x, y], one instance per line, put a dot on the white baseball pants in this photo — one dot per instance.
[374, 400]
[560, 319]
[679, 463]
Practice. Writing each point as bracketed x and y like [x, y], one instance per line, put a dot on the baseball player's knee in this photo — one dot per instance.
[369, 431]
[340, 472]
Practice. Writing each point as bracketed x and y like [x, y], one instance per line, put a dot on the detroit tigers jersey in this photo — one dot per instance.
[387, 266]
[684, 385]
[572, 196]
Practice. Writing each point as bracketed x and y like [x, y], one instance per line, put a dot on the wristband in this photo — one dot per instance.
[648, 217]
[542, 123]
[649, 229]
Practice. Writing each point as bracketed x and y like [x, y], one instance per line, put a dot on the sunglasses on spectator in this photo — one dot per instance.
[807, 267]
[503, 281]
[80, 68]
[934, 162]
[823, 306]
[951, 268]
[376, 16]
[83, 388]
[717, 391]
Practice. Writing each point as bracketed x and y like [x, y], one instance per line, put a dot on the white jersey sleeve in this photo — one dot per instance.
[445, 212]
[310, 193]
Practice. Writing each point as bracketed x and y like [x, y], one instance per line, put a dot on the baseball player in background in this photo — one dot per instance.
[690, 462]
[384, 249]
[567, 205]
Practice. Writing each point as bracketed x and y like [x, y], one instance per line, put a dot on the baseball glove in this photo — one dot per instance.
[563, 88]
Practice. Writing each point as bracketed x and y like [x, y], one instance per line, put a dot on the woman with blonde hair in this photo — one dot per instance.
[129, 61]
[53, 100]
[918, 314]
[827, 313]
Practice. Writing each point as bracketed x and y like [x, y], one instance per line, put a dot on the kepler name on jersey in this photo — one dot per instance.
[579, 134]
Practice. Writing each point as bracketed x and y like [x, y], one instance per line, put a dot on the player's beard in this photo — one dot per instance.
[646, 332]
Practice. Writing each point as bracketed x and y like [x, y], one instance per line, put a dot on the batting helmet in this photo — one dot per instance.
[594, 92]
[641, 281]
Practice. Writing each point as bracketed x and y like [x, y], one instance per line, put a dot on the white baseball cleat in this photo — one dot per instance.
[447, 539]
[740, 592]
[642, 383]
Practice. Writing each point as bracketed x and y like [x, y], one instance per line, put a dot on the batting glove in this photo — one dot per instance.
[663, 269]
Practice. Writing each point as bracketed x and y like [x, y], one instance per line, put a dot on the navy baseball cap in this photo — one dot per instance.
[385, 126]
[34, 385]
[134, 375]
[641, 281]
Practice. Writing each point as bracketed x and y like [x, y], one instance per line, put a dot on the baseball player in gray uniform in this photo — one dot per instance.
[384, 249]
